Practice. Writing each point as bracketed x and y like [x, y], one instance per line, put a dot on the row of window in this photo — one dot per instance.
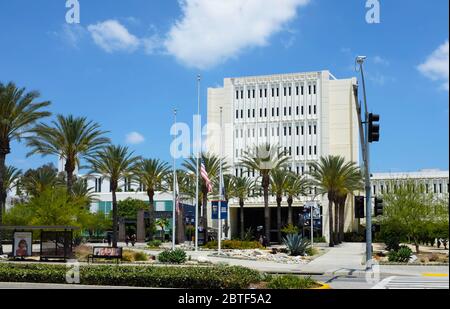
[275, 92]
[299, 151]
[287, 131]
[287, 111]
[436, 188]
[240, 172]
[126, 187]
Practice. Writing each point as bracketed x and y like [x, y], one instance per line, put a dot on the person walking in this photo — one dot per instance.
[127, 240]
[133, 239]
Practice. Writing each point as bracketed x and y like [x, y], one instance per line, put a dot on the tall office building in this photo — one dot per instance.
[308, 115]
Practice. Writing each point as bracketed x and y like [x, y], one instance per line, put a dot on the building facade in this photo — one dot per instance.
[308, 115]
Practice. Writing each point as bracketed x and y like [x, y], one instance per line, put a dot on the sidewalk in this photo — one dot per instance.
[344, 259]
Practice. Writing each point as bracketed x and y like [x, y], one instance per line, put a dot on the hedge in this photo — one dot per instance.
[220, 277]
[235, 244]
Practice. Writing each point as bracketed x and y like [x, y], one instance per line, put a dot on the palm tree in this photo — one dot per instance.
[162, 223]
[212, 166]
[18, 113]
[82, 193]
[351, 181]
[278, 185]
[243, 188]
[11, 179]
[264, 159]
[152, 174]
[296, 187]
[70, 138]
[36, 181]
[115, 163]
[328, 177]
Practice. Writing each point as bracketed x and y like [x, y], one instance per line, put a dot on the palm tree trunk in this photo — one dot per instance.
[342, 218]
[115, 219]
[69, 168]
[279, 218]
[2, 189]
[336, 223]
[290, 202]
[151, 211]
[330, 220]
[241, 205]
[265, 186]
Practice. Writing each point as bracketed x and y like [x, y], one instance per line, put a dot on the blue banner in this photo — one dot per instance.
[215, 212]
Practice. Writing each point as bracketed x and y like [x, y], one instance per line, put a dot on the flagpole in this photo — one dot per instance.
[197, 164]
[219, 232]
[174, 190]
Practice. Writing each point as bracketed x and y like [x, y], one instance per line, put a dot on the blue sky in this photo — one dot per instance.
[129, 63]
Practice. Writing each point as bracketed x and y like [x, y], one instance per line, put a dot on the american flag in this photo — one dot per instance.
[205, 176]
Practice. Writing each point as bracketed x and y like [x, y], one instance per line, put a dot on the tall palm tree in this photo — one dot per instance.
[18, 113]
[36, 181]
[11, 179]
[152, 174]
[212, 166]
[351, 181]
[296, 187]
[243, 189]
[70, 138]
[278, 184]
[115, 163]
[264, 159]
[327, 176]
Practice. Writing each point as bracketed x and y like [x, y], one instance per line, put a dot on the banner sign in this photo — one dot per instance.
[215, 212]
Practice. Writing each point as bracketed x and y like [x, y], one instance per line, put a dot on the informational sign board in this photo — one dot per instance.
[107, 251]
[215, 208]
[23, 244]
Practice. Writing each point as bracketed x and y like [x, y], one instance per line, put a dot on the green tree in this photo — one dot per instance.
[70, 138]
[115, 163]
[162, 223]
[212, 166]
[327, 176]
[130, 207]
[11, 178]
[278, 185]
[83, 193]
[408, 207]
[296, 187]
[243, 189]
[153, 173]
[36, 181]
[264, 159]
[19, 112]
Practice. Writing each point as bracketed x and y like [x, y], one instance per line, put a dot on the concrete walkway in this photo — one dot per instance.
[344, 259]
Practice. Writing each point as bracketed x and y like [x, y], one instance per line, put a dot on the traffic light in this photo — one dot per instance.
[378, 206]
[359, 207]
[374, 128]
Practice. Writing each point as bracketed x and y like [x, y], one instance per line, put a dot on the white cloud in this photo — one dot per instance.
[134, 138]
[212, 31]
[380, 60]
[436, 65]
[112, 36]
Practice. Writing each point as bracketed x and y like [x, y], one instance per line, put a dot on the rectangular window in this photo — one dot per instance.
[273, 92]
[237, 94]
[285, 110]
[290, 131]
[298, 170]
[242, 113]
[253, 93]
[254, 113]
[296, 90]
[315, 150]
[374, 190]
[315, 88]
[278, 111]
[303, 90]
[435, 188]
[290, 91]
[290, 151]
[309, 89]
[315, 109]
[298, 130]
[273, 112]
[309, 130]
[310, 150]
[297, 110]
[298, 151]
[242, 94]
[303, 151]
[315, 129]
[260, 93]
[290, 111]
[303, 130]
[265, 112]
[265, 93]
[440, 188]
[248, 113]
[285, 130]
[248, 94]
[260, 112]
[237, 114]
[309, 110]
[278, 92]
[285, 91]
[303, 110]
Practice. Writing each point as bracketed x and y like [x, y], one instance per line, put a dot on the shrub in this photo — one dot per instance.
[433, 257]
[291, 282]
[296, 244]
[140, 256]
[235, 244]
[128, 256]
[139, 276]
[310, 251]
[320, 239]
[403, 254]
[176, 256]
[354, 237]
[290, 229]
[155, 243]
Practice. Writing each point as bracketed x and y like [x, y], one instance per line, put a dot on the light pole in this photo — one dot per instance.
[198, 153]
[366, 157]
[174, 188]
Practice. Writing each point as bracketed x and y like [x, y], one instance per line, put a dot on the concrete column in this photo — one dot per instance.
[140, 227]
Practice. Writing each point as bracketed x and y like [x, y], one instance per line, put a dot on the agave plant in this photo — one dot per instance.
[296, 244]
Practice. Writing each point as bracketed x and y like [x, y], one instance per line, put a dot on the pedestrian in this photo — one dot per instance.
[127, 240]
[439, 243]
[133, 239]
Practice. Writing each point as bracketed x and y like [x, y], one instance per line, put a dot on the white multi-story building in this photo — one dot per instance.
[434, 181]
[309, 115]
